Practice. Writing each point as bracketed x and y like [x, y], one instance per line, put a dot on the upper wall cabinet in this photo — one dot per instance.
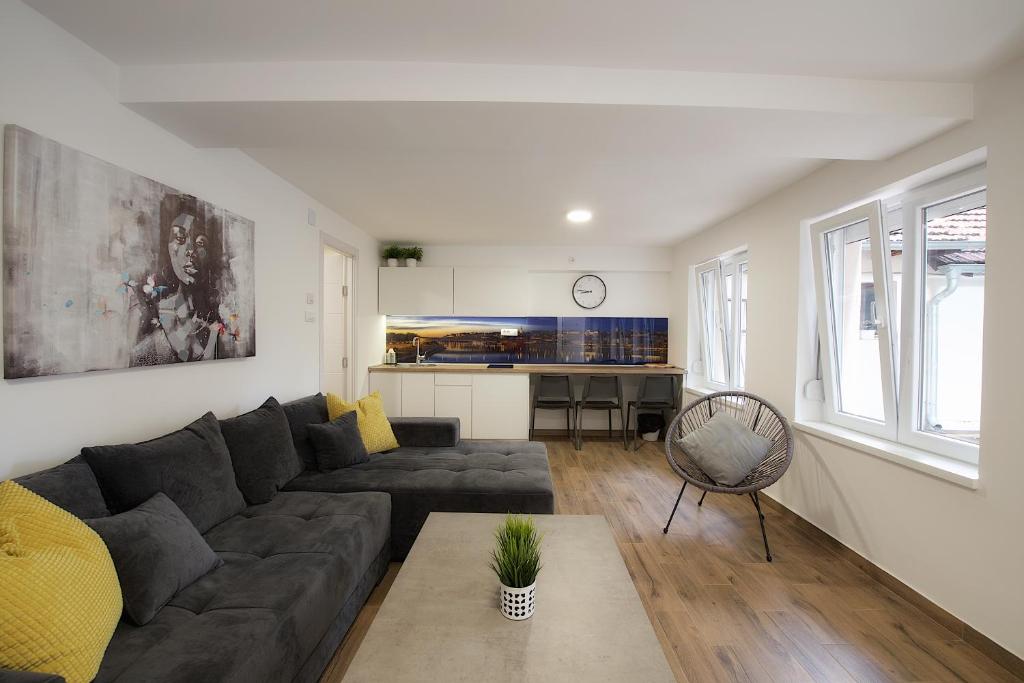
[492, 291]
[415, 291]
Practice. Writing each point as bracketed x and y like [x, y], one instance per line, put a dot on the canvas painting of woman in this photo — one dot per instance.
[107, 269]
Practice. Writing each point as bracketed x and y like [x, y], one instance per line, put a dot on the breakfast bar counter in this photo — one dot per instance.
[535, 369]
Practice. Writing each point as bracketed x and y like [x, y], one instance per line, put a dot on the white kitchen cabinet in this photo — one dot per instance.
[389, 384]
[417, 394]
[415, 291]
[501, 406]
[492, 291]
[455, 401]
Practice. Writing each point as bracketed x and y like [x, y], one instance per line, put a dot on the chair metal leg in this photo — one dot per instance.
[678, 498]
[578, 430]
[622, 417]
[701, 501]
[636, 428]
[568, 429]
[609, 424]
[760, 518]
[533, 420]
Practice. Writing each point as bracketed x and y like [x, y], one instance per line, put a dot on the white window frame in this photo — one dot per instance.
[872, 214]
[912, 323]
[900, 362]
[729, 325]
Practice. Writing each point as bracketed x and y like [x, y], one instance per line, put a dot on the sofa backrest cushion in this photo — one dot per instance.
[262, 451]
[301, 413]
[191, 466]
[71, 486]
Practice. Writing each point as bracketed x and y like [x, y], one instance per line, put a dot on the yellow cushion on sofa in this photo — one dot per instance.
[373, 423]
[59, 596]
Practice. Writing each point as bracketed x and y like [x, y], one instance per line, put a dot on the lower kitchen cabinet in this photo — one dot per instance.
[489, 406]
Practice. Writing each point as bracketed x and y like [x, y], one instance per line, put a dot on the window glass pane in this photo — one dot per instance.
[741, 355]
[714, 332]
[953, 306]
[851, 293]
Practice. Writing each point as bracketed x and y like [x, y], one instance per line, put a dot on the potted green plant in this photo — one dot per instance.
[392, 253]
[413, 255]
[516, 561]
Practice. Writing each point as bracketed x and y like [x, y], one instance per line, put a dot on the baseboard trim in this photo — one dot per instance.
[966, 632]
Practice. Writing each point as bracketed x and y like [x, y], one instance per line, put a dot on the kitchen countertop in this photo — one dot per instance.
[537, 369]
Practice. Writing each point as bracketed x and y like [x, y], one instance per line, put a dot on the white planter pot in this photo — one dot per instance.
[517, 603]
[410, 262]
[392, 263]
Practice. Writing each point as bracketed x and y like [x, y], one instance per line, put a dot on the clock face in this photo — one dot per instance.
[589, 291]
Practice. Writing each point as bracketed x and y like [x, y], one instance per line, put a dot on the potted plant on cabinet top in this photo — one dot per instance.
[392, 253]
[516, 561]
[413, 255]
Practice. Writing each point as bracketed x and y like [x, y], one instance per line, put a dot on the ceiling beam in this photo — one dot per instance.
[355, 81]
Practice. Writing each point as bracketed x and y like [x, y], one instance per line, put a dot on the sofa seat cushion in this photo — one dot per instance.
[473, 476]
[289, 566]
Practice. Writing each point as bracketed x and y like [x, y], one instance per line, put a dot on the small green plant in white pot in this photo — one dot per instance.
[516, 561]
[392, 253]
[413, 255]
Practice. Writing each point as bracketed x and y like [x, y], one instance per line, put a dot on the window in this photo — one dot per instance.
[722, 319]
[900, 293]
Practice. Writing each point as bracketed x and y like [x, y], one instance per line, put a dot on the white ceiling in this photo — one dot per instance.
[496, 154]
[897, 39]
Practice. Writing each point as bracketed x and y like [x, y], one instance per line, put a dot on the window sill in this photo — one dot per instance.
[954, 471]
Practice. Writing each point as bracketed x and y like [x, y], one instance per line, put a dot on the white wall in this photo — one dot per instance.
[961, 548]
[56, 86]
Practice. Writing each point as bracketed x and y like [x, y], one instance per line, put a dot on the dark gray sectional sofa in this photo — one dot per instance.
[298, 568]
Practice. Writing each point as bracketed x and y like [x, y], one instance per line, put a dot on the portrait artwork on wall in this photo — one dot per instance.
[107, 269]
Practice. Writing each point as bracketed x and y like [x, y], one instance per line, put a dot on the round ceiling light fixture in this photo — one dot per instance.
[579, 216]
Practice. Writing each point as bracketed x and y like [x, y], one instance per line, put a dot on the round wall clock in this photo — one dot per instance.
[589, 291]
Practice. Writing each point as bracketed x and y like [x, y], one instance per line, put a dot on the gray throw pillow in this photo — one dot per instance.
[338, 443]
[262, 451]
[156, 552]
[725, 449]
[191, 466]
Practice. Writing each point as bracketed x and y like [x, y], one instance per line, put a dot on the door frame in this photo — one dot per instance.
[351, 310]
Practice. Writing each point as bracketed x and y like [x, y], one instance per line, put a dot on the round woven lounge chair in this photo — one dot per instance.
[757, 414]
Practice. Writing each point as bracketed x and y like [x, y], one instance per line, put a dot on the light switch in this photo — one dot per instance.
[310, 299]
[310, 316]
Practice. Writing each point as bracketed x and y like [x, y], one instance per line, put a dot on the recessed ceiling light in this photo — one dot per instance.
[579, 216]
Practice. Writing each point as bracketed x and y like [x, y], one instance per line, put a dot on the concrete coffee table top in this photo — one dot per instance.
[440, 620]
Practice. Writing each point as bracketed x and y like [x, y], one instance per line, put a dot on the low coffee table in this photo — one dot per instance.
[440, 620]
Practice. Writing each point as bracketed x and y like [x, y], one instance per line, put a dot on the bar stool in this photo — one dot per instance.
[553, 392]
[601, 392]
[657, 392]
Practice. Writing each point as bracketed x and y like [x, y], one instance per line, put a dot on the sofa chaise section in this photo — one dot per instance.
[434, 471]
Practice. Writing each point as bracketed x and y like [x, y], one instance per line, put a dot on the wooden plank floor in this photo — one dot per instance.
[721, 612]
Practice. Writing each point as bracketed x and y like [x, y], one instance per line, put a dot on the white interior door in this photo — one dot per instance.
[335, 342]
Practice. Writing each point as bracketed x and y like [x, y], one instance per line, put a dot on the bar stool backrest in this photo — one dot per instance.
[657, 390]
[553, 388]
[602, 388]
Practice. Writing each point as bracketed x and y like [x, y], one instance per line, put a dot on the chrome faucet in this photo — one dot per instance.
[419, 358]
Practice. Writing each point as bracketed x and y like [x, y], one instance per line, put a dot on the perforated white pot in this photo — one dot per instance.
[517, 603]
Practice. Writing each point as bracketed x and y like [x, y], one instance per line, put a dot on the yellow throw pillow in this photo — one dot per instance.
[373, 423]
[59, 596]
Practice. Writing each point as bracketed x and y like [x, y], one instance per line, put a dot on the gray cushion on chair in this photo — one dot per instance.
[725, 449]
[157, 553]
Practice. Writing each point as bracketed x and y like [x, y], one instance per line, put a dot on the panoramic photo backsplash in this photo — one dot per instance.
[447, 339]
